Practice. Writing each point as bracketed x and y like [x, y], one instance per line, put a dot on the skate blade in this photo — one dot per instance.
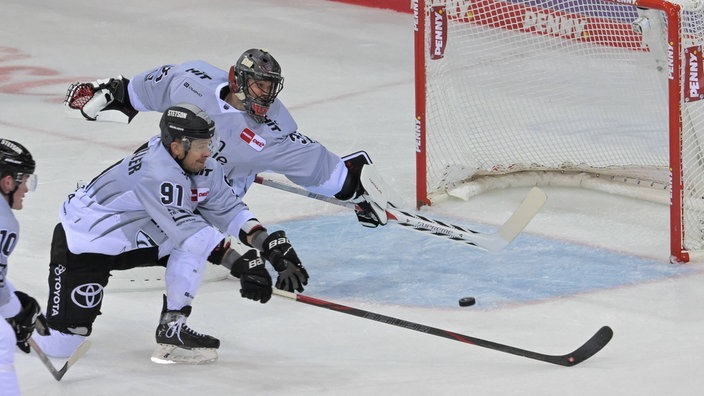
[171, 354]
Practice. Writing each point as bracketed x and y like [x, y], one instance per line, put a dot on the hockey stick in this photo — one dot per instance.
[587, 350]
[491, 241]
[58, 374]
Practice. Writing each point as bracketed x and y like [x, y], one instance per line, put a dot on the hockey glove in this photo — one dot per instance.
[100, 95]
[26, 320]
[254, 278]
[370, 207]
[280, 253]
[368, 215]
[219, 252]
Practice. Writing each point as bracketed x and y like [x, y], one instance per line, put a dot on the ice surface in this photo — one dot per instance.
[588, 259]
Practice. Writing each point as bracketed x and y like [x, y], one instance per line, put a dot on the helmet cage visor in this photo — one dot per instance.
[252, 82]
[259, 82]
[31, 182]
[18, 177]
[200, 144]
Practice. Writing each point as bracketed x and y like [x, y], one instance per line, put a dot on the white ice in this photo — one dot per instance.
[588, 259]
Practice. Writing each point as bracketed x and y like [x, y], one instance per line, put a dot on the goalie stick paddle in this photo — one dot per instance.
[491, 241]
[59, 373]
[587, 350]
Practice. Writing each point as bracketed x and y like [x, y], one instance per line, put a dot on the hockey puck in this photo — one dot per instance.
[467, 301]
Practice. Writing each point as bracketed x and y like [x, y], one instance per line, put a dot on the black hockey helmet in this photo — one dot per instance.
[15, 160]
[256, 65]
[185, 122]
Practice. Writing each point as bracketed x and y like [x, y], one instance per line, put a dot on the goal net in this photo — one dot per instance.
[593, 93]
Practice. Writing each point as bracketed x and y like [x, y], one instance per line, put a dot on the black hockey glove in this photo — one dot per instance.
[219, 252]
[280, 253]
[366, 214]
[254, 278]
[26, 320]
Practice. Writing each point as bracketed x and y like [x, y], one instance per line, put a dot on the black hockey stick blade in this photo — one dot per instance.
[589, 349]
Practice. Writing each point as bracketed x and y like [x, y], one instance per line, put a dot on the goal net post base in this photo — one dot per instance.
[647, 190]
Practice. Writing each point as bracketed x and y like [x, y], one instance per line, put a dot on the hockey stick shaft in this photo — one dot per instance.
[491, 241]
[301, 191]
[587, 350]
[58, 374]
[45, 359]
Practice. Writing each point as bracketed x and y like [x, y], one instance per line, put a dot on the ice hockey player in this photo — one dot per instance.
[257, 132]
[20, 311]
[165, 204]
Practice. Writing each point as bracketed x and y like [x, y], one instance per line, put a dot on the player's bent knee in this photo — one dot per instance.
[58, 344]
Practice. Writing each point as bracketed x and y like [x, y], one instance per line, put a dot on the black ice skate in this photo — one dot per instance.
[178, 343]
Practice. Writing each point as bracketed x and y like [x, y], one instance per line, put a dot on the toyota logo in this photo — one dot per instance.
[60, 269]
[88, 295]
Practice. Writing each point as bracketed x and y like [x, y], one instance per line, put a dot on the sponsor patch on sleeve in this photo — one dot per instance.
[252, 139]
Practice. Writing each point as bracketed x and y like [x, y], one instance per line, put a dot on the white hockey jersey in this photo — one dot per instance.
[146, 199]
[246, 146]
[9, 234]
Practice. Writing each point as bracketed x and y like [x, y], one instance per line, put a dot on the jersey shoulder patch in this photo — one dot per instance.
[252, 139]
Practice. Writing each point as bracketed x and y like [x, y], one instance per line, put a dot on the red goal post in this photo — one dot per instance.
[602, 94]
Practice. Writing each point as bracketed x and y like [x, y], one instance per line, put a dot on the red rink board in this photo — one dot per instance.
[396, 5]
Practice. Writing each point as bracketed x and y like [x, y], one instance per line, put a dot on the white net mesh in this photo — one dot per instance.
[566, 86]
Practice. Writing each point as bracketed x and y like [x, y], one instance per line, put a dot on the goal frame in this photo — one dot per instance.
[678, 252]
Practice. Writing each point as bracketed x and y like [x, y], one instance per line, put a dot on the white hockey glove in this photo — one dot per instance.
[372, 203]
[100, 95]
